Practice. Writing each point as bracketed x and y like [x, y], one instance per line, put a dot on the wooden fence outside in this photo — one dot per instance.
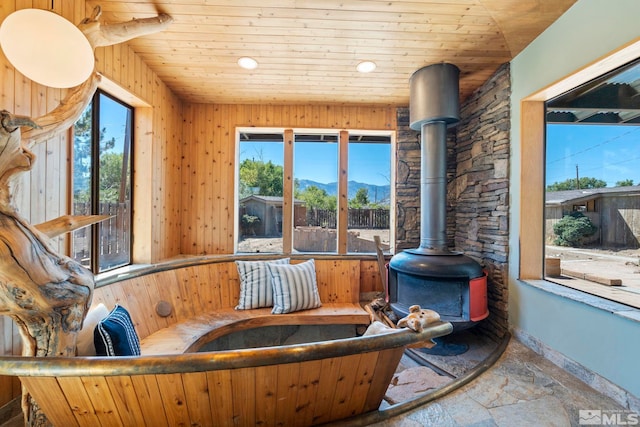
[357, 218]
[114, 246]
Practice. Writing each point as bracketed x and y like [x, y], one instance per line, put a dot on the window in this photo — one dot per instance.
[592, 199]
[369, 189]
[294, 195]
[102, 183]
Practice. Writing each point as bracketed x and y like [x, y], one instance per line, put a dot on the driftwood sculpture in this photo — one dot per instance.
[47, 294]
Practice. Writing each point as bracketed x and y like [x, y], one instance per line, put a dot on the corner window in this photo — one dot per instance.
[313, 191]
[592, 182]
[102, 183]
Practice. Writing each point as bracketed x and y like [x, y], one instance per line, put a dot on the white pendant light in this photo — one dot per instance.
[46, 48]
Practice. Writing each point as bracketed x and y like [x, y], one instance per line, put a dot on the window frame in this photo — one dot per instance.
[94, 185]
[288, 181]
[532, 159]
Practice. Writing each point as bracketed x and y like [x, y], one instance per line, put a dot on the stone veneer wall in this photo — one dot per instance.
[477, 189]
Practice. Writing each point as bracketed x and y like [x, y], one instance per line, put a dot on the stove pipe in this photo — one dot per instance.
[434, 106]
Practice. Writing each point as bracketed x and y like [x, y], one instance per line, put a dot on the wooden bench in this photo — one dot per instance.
[202, 295]
[189, 335]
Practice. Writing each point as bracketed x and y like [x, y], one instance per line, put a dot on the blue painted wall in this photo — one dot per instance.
[601, 339]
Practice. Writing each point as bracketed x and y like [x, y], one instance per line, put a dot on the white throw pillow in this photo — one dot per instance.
[256, 290]
[294, 287]
[84, 343]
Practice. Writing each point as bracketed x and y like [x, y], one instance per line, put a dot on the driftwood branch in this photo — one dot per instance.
[100, 34]
[67, 223]
[65, 114]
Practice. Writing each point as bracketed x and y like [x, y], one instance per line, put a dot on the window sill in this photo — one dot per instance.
[613, 307]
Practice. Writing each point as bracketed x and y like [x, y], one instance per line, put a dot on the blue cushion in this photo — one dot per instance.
[115, 335]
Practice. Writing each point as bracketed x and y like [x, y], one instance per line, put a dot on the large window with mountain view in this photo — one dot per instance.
[338, 199]
[592, 198]
[102, 183]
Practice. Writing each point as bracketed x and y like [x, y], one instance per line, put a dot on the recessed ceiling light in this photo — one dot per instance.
[248, 63]
[366, 66]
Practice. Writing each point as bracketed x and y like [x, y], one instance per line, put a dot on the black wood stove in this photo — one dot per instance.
[431, 275]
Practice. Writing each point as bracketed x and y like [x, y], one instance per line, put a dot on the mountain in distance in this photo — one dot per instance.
[377, 193]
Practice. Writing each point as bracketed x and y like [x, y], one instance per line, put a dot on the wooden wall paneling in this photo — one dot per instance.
[131, 70]
[346, 380]
[102, 401]
[243, 384]
[203, 217]
[229, 285]
[188, 175]
[116, 63]
[228, 224]
[143, 239]
[327, 389]
[51, 387]
[196, 392]
[99, 54]
[79, 400]
[137, 297]
[22, 106]
[126, 400]
[152, 286]
[370, 277]
[148, 394]
[157, 174]
[187, 280]
[212, 154]
[107, 62]
[267, 397]
[308, 391]
[171, 171]
[356, 393]
[387, 362]
[173, 396]
[227, 234]
[220, 395]
[287, 391]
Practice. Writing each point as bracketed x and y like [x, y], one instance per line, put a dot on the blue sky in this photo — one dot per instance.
[114, 117]
[610, 153]
[368, 163]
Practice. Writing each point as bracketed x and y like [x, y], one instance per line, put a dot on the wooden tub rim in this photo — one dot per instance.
[216, 360]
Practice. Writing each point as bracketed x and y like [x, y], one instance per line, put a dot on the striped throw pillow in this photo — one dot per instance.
[255, 283]
[294, 287]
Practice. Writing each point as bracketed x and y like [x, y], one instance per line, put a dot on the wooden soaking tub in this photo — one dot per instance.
[299, 385]
[171, 384]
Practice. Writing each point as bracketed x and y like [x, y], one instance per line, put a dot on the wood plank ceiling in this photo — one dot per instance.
[307, 50]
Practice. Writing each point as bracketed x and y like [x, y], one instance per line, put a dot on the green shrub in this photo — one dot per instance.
[572, 229]
[249, 224]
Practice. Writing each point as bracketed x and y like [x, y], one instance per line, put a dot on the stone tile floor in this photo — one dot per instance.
[521, 389]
